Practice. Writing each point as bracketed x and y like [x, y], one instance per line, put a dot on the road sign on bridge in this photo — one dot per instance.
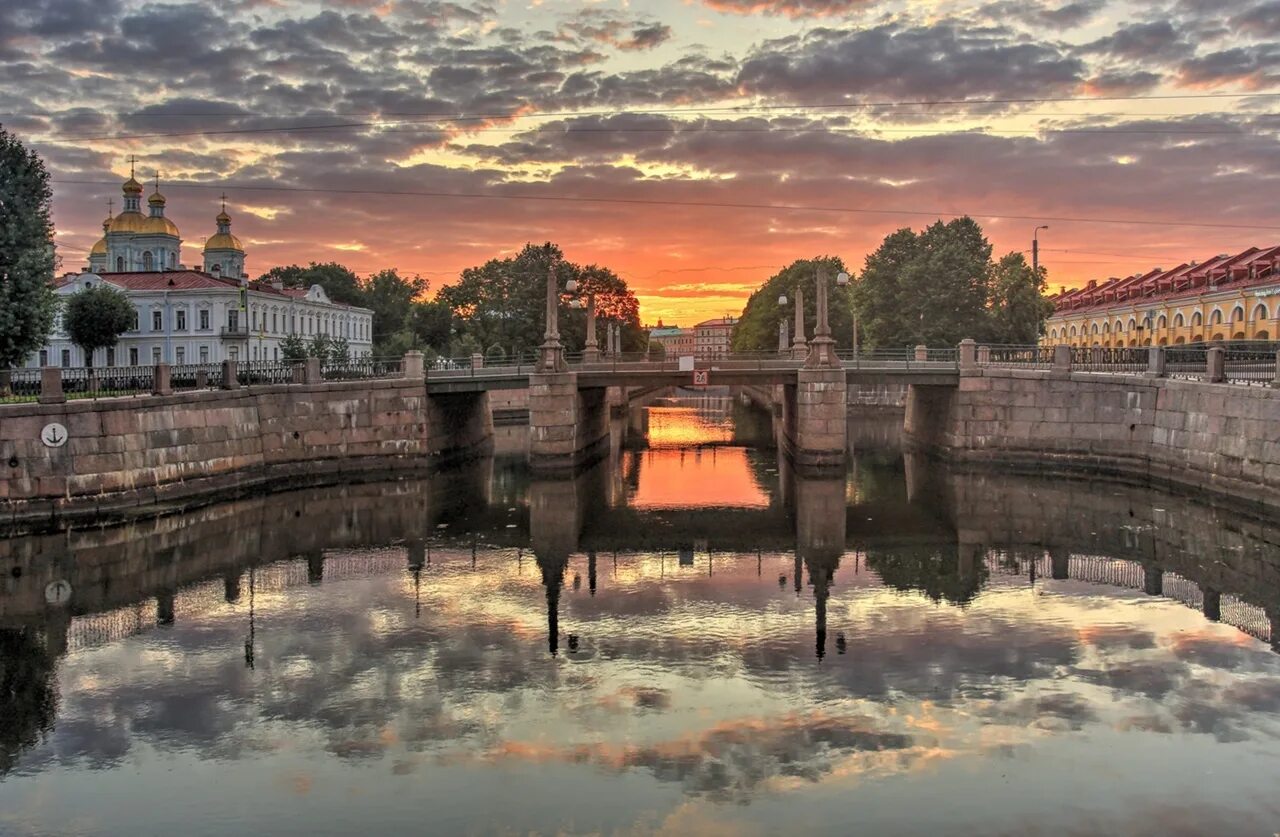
[700, 377]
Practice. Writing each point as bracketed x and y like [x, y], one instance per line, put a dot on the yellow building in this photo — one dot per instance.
[1224, 298]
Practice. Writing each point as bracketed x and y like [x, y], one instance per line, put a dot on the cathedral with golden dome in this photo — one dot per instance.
[133, 242]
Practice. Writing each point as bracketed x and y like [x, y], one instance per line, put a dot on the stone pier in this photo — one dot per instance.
[568, 427]
[815, 414]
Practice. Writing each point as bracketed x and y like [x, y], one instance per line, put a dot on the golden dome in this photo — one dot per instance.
[156, 199]
[128, 222]
[159, 225]
[132, 187]
[223, 241]
[99, 249]
[223, 218]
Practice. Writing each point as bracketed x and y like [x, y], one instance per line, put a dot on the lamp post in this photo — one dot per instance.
[842, 280]
[799, 345]
[822, 348]
[1035, 249]
[782, 326]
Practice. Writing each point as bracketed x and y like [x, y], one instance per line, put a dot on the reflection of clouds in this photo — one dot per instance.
[731, 759]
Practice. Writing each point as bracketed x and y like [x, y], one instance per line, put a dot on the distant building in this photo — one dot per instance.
[711, 338]
[675, 341]
[192, 316]
[1227, 297]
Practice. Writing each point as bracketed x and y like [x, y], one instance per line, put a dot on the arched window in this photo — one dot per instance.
[1260, 313]
[1132, 323]
[119, 264]
[147, 261]
[1178, 321]
[1237, 314]
[1216, 317]
[1119, 326]
[1095, 328]
[1163, 322]
[1196, 319]
[1106, 328]
[1073, 331]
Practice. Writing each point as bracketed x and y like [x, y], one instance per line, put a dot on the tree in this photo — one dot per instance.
[1018, 304]
[293, 348]
[932, 288]
[95, 318]
[339, 350]
[27, 301]
[339, 282]
[320, 347]
[391, 298]
[757, 329]
[503, 301]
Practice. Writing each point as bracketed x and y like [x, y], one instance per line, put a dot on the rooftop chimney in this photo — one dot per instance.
[278, 284]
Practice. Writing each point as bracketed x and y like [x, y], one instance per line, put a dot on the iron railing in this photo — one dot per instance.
[1098, 359]
[19, 385]
[264, 372]
[188, 376]
[1011, 355]
[363, 368]
[108, 381]
[1249, 364]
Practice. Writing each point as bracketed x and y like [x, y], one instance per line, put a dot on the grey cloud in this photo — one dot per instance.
[1255, 67]
[1155, 41]
[790, 8]
[941, 61]
[1066, 16]
[1261, 20]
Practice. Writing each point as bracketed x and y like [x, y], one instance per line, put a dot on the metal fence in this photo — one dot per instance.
[1098, 359]
[1019, 356]
[18, 385]
[364, 368]
[1248, 364]
[262, 372]
[1188, 361]
[188, 376]
[108, 382]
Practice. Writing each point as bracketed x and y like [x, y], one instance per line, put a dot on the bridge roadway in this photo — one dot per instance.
[728, 371]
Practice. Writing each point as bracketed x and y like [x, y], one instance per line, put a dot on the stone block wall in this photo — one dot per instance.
[129, 452]
[1221, 437]
[815, 418]
[568, 427]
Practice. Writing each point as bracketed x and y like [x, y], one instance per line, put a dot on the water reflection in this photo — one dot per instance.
[481, 652]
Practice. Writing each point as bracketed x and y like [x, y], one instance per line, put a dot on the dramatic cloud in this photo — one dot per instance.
[790, 8]
[941, 61]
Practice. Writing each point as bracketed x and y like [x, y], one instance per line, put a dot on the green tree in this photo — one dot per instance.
[339, 282]
[28, 693]
[932, 288]
[1018, 304]
[391, 298]
[757, 329]
[27, 301]
[293, 348]
[320, 347]
[94, 318]
[339, 350]
[503, 301]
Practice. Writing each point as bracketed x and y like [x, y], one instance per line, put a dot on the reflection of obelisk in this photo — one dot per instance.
[553, 580]
[821, 518]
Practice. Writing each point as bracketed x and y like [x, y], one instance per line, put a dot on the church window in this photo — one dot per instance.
[173, 259]
[146, 260]
[119, 264]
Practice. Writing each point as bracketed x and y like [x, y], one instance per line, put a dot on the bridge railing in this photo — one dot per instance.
[1098, 359]
[1249, 364]
[361, 369]
[108, 381]
[1009, 355]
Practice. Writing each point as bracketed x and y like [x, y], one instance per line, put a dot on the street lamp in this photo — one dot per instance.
[1035, 249]
[842, 281]
[784, 338]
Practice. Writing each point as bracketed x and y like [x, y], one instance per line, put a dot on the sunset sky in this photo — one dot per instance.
[486, 109]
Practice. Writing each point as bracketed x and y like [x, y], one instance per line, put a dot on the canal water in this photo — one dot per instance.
[687, 639]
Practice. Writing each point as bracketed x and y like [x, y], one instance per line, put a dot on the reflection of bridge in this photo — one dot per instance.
[945, 536]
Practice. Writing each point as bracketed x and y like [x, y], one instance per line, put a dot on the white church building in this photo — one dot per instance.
[187, 316]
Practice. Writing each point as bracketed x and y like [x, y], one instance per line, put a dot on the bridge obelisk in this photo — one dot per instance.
[817, 429]
[566, 425]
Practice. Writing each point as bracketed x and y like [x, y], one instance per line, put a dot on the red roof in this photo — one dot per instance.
[1250, 267]
[162, 280]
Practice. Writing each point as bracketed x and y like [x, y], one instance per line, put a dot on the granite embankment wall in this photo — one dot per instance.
[1224, 438]
[166, 450]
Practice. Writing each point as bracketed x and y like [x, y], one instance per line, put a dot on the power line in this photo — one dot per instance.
[700, 204]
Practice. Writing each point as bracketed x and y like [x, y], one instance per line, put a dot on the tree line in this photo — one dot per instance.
[935, 288]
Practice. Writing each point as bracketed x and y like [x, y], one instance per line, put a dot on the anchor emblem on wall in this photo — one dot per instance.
[54, 435]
